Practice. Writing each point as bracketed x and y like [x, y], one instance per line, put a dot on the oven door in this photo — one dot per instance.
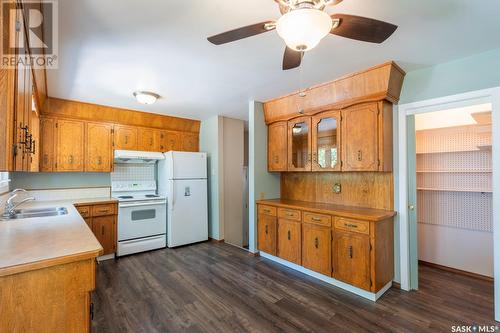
[141, 219]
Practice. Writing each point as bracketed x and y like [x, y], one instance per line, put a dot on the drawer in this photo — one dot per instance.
[84, 211]
[267, 210]
[103, 210]
[319, 219]
[362, 227]
[289, 214]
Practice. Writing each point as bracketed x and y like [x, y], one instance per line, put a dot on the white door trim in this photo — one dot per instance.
[453, 101]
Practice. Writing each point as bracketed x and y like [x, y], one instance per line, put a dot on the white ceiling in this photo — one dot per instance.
[110, 48]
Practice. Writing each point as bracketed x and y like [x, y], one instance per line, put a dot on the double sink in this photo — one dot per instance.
[36, 212]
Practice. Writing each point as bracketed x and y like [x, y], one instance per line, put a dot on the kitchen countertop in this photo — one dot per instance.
[35, 243]
[361, 213]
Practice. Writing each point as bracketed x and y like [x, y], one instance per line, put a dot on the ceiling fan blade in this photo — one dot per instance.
[240, 33]
[362, 28]
[292, 59]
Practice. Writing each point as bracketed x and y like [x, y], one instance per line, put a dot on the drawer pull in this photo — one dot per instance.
[266, 210]
[290, 214]
[316, 242]
[350, 251]
[289, 235]
[349, 225]
[316, 219]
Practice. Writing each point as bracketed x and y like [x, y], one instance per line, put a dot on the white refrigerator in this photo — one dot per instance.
[182, 178]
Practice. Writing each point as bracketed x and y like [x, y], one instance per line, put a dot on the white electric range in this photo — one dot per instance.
[142, 216]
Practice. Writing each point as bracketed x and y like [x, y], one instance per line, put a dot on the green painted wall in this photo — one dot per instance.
[36, 181]
[209, 143]
[261, 183]
[480, 71]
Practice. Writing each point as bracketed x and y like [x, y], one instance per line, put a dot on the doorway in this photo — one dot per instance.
[407, 192]
[453, 178]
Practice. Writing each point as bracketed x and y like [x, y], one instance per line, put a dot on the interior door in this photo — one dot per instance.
[299, 144]
[412, 199]
[326, 141]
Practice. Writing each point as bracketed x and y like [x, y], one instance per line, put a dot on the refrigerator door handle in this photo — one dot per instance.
[172, 191]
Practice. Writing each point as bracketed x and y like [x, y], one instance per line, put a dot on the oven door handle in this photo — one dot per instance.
[142, 204]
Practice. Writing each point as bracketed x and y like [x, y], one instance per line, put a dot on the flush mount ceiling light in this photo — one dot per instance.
[303, 29]
[304, 23]
[146, 97]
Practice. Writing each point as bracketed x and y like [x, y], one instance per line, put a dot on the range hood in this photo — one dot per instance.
[132, 156]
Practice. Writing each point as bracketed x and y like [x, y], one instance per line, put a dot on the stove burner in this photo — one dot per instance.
[151, 196]
[126, 197]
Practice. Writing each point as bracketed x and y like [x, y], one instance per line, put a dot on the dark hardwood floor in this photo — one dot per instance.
[212, 287]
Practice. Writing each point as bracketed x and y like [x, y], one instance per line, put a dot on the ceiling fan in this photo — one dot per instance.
[304, 23]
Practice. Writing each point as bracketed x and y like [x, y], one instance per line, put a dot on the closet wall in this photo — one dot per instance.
[454, 196]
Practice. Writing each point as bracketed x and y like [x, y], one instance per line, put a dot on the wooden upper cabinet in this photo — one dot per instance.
[70, 145]
[168, 140]
[316, 248]
[299, 144]
[125, 137]
[360, 138]
[289, 240]
[99, 147]
[190, 142]
[351, 259]
[147, 139]
[277, 147]
[266, 234]
[47, 144]
[326, 141]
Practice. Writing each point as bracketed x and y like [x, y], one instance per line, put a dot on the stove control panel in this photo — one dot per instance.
[128, 186]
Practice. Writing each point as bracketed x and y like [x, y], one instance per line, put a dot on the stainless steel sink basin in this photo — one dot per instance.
[37, 212]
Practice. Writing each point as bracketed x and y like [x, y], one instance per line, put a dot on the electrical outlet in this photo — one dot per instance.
[337, 188]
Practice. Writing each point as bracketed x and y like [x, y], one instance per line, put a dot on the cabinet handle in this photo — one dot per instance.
[70, 159]
[289, 235]
[99, 160]
[45, 159]
[267, 211]
[276, 159]
[360, 155]
[126, 139]
[151, 141]
[316, 242]
[266, 230]
[102, 230]
[316, 219]
[350, 251]
[309, 157]
[289, 214]
[315, 158]
[350, 225]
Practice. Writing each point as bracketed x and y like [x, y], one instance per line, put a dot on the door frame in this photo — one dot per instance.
[408, 263]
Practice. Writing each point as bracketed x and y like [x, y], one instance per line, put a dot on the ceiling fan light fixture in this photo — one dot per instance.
[146, 97]
[302, 29]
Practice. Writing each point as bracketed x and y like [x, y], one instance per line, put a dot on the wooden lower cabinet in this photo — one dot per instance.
[289, 241]
[316, 248]
[51, 299]
[355, 251]
[351, 258]
[104, 228]
[266, 230]
[101, 219]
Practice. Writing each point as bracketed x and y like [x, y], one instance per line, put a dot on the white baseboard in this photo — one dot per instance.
[360, 292]
[106, 257]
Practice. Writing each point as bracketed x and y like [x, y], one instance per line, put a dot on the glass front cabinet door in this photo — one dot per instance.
[299, 144]
[326, 141]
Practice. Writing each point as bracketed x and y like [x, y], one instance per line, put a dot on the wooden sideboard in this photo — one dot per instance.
[352, 245]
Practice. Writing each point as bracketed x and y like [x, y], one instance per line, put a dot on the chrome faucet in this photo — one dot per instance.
[10, 206]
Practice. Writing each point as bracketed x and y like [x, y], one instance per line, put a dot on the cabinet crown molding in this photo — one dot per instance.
[381, 82]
